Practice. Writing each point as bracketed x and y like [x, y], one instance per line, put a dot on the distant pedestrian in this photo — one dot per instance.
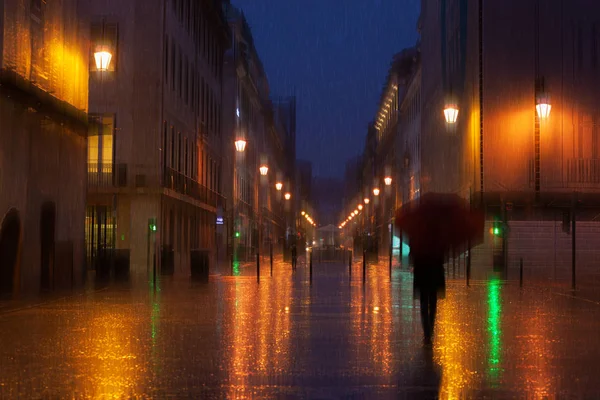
[294, 257]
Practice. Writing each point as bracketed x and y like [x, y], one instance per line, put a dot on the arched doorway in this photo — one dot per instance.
[47, 242]
[10, 241]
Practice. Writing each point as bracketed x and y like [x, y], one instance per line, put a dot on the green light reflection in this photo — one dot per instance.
[494, 327]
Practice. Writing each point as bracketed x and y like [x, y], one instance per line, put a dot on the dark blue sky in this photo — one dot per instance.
[336, 54]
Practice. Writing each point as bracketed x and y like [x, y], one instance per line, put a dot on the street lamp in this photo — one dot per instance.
[451, 113]
[287, 196]
[355, 212]
[240, 145]
[543, 106]
[279, 186]
[102, 56]
[388, 180]
[360, 206]
[376, 191]
[264, 170]
[302, 213]
[367, 200]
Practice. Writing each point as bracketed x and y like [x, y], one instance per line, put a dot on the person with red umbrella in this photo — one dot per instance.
[435, 224]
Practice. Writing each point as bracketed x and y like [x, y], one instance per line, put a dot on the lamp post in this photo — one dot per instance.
[542, 110]
[240, 147]
[388, 183]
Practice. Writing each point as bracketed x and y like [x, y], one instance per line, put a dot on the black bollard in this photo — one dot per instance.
[154, 271]
[257, 267]
[364, 266]
[271, 255]
[310, 266]
[521, 272]
[350, 263]
[468, 267]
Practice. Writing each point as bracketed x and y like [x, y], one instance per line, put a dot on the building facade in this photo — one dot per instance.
[154, 153]
[43, 119]
[256, 138]
[503, 67]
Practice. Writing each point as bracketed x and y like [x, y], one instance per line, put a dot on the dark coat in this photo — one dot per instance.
[428, 262]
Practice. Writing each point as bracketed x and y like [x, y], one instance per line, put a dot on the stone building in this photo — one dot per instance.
[43, 125]
[256, 137]
[154, 154]
[502, 65]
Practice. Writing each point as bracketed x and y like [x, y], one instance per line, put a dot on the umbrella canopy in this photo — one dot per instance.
[439, 222]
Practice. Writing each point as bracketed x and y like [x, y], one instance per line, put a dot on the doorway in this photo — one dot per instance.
[10, 242]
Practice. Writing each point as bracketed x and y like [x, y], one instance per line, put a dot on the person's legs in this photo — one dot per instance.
[432, 310]
[425, 318]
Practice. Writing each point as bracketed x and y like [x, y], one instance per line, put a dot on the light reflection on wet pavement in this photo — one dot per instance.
[283, 338]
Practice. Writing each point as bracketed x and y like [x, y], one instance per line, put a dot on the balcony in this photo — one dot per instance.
[187, 186]
[105, 176]
[583, 171]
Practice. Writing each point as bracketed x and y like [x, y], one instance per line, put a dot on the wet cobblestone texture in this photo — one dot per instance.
[287, 338]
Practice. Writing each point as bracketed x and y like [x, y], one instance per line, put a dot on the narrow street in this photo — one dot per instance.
[286, 338]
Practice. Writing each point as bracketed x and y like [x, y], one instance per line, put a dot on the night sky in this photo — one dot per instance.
[335, 54]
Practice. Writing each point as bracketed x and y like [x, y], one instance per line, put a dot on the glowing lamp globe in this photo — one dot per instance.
[543, 106]
[279, 186]
[376, 191]
[387, 180]
[240, 145]
[102, 57]
[367, 200]
[360, 206]
[451, 113]
[287, 196]
[264, 170]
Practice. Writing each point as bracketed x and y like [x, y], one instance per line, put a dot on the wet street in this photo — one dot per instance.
[285, 338]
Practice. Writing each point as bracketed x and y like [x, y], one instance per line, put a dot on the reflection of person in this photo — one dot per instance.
[294, 256]
[429, 281]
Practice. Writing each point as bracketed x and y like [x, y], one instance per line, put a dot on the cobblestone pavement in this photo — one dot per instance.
[286, 338]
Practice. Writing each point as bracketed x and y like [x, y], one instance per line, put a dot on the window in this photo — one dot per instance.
[100, 144]
[185, 81]
[186, 155]
[179, 72]
[165, 144]
[173, 58]
[172, 160]
[167, 59]
[104, 35]
[179, 152]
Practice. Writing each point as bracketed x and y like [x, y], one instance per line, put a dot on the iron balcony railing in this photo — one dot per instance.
[106, 175]
[188, 186]
[583, 170]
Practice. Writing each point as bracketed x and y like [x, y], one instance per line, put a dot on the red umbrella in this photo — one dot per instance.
[440, 221]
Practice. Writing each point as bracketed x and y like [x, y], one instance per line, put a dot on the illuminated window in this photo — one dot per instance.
[100, 144]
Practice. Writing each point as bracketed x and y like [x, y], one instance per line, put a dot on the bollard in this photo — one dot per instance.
[468, 267]
[350, 264]
[271, 255]
[154, 271]
[310, 266]
[364, 266]
[257, 267]
[521, 272]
